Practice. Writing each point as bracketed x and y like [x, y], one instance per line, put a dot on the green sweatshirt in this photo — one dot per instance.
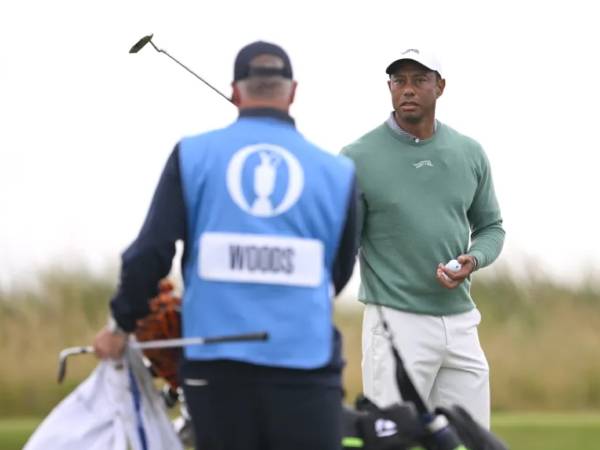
[424, 202]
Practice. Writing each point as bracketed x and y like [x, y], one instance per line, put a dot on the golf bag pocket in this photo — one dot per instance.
[396, 427]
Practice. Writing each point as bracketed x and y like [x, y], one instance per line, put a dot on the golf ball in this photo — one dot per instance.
[453, 265]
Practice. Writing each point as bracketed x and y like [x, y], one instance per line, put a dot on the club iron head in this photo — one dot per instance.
[64, 354]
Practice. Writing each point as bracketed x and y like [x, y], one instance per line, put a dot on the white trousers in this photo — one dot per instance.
[442, 355]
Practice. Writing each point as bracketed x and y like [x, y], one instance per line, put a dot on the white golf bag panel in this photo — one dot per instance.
[116, 408]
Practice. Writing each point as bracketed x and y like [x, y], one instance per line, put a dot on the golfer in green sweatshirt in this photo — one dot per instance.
[428, 197]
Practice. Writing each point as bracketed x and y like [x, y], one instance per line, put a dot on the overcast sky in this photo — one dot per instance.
[86, 127]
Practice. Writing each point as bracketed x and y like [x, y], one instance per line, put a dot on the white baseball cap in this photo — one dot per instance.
[421, 56]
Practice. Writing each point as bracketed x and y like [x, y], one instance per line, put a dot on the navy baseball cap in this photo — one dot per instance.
[243, 70]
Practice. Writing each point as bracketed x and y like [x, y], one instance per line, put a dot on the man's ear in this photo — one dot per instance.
[235, 94]
[293, 91]
[440, 86]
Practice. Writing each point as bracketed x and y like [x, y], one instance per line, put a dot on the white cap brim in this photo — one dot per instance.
[425, 59]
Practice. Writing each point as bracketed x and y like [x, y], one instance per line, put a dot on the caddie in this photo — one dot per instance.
[268, 222]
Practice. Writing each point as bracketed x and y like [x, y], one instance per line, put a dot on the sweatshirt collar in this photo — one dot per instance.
[391, 122]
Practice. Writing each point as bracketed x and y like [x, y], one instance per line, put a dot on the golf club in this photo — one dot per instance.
[148, 39]
[437, 426]
[162, 343]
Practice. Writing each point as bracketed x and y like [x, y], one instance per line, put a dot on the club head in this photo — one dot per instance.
[140, 44]
[62, 359]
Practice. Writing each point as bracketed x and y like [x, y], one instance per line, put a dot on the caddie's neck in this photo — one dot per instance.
[247, 103]
[279, 98]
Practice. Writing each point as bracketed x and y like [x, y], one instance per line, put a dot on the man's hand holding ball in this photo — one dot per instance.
[454, 272]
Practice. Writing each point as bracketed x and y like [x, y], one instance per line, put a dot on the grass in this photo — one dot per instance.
[522, 431]
[549, 431]
[15, 432]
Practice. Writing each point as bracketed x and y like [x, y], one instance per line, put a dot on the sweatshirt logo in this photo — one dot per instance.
[264, 180]
[423, 163]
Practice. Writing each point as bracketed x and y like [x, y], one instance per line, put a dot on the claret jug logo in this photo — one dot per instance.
[264, 180]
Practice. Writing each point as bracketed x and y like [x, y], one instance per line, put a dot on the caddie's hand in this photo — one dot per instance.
[452, 279]
[108, 344]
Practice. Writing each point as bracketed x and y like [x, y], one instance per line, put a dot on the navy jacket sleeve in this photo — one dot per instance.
[348, 247]
[148, 259]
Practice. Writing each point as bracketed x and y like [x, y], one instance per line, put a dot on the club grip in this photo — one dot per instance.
[262, 336]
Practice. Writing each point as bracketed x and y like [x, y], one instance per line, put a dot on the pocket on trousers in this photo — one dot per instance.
[380, 363]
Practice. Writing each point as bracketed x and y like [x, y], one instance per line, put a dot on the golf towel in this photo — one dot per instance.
[116, 408]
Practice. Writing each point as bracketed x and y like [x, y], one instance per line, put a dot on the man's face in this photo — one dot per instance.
[415, 89]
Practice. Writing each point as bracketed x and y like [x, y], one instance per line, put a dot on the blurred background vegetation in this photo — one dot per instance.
[542, 339]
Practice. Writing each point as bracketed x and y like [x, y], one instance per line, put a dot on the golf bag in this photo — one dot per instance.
[116, 408]
[400, 427]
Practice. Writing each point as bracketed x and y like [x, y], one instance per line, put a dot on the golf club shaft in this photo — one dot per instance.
[181, 342]
[142, 42]
[172, 343]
